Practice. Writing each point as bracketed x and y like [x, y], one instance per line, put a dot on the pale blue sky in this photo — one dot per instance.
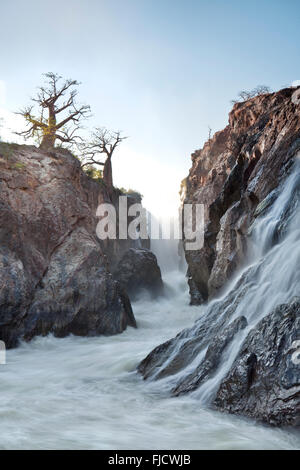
[160, 70]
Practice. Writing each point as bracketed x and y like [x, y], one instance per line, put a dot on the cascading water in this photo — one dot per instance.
[199, 358]
[273, 278]
[85, 392]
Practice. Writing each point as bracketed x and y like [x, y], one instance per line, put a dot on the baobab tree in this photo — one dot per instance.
[63, 116]
[103, 142]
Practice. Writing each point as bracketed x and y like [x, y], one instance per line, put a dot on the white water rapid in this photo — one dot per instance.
[84, 393]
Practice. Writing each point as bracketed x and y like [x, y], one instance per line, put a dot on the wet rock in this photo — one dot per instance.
[196, 298]
[265, 203]
[212, 358]
[261, 379]
[178, 353]
[264, 381]
[138, 270]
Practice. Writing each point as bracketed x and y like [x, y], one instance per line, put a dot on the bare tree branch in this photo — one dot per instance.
[247, 95]
[48, 98]
[104, 142]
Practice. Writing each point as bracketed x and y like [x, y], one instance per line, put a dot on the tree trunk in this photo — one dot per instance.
[107, 173]
[48, 141]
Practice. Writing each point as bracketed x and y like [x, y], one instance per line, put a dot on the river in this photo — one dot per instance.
[84, 393]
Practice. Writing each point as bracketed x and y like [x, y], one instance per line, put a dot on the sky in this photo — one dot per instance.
[162, 71]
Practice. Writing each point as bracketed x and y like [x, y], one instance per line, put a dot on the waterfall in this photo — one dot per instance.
[163, 243]
[274, 276]
[270, 279]
[100, 401]
[166, 252]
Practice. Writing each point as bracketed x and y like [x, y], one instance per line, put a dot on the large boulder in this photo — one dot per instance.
[138, 270]
[54, 272]
[77, 294]
[264, 381]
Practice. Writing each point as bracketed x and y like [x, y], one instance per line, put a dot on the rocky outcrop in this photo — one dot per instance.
[205, 342]
[238, 363]
[212, 358]
[116, 249]
[138, 270]
[55, 274]
[264, 381]
[77, 294]
[231, 175]
[242, 354]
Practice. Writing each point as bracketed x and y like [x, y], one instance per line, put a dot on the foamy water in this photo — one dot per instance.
[84, 393]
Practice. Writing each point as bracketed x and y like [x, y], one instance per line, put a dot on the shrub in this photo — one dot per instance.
[132, 193]
[247, 95]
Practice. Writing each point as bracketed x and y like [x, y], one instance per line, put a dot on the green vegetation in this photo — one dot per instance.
[7, 150]
[19, 166]
[132, 193]
[8, 155]
[94, 173]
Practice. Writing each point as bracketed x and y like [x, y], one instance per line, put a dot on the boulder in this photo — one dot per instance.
[212, 358]
[77, 294]
[138, 270]
[264, 381]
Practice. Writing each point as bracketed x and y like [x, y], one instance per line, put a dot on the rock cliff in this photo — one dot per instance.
[231, 175]
[241, 356]
[55, 274]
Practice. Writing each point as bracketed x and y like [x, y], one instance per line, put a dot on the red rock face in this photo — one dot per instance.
[231, 175]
